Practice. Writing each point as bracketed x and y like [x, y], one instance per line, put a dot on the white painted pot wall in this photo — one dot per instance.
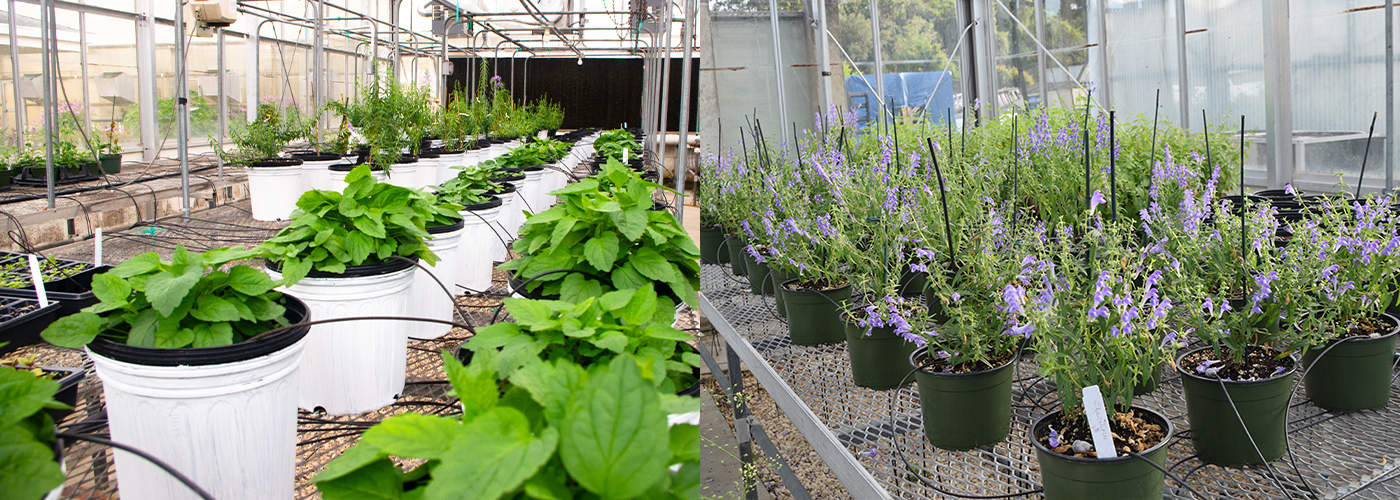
[315, 175]
[273, 191]
[353, 366]
[337, 179]
[445, 171]
[403, 175]
[534, 191]
[427, 173]
[502, 222]
[426, 298]
[475, 250]
[231, 428]
[519, 206]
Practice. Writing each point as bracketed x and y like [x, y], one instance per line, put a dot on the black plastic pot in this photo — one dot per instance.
[275, 162]
[297, 314]
[1354, 374]
[736, 253]
[1214, 409]
[23, 328]
[962, 411]
[814, 317]
[72, 293]
[346, 167]
[710, 239]
[315, 156]
[33, 175]
[68, 379]
[111, 164]
[1123, 477]
[878, 360]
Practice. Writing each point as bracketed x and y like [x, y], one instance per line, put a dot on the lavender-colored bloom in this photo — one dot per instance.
[1096, 200]
[1020, 330]
[956, 296]
[1015, 297]
[1206, 365]
[1054, 439]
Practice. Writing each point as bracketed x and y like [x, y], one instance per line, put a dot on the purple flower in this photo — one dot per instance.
[1095, 200]
[1277, 371]
[1020, 330]
[1015, 297]
[1206, 365]
[956, 296]
[1054, 439]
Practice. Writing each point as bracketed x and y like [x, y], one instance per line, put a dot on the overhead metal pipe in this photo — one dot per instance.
[683, 147]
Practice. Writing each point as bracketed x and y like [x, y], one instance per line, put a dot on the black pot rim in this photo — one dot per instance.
[924, 349]
[274, 162]
[448, 228]
[386, 266]
[534, 168]
[1180, 368]
[316, 156]
[428, 154]
[495, 202]
[505, 189]
[205, 356]
[346, 167]
[446, 152]
[1040, 422]
[499, 180]
[711, 229]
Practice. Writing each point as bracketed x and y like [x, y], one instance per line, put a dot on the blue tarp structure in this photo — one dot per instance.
[907, 90]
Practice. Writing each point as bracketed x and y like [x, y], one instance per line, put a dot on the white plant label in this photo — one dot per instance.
[1098, 422]
[625, 157]
[97, 246]
[38, 279]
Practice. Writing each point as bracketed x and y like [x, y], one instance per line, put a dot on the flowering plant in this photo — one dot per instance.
[1098, 314]
[1349, 256]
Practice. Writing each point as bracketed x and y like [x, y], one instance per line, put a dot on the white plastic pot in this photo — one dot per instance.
[274, 191]
[404, 175]
[502, 222]
[354, 366]
[230, 427]
[427, 173]
[476, 249]
[519, 206]
[314, 175]
[446, 164]
[534, 191]
[337, 179]
[426, 297]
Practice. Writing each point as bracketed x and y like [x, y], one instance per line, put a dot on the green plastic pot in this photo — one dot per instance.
[964, 410]
[935, 306]
[1149, 386]
[736, 255]
[912, 283]
[1215, 428]
[758, 274]
[1354, 374]
[112, 164]
[710, 240]
[1123, 477]
[878, 360]
[814, 317]
[776, 277]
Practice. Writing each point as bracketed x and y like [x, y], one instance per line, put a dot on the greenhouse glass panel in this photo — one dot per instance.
[921, 68]
[1143, 58]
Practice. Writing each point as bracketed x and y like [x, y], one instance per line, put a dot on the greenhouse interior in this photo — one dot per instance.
[698, 249]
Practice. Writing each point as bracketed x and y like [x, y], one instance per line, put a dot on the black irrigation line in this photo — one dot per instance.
[148, 457]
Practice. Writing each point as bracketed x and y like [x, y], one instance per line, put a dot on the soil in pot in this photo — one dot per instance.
[1219, 394]
[879, 358]
[1069, 475]
[814, 310]
[1354, 370]
[966, 405]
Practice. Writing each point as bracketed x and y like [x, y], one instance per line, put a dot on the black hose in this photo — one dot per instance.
[147, 456]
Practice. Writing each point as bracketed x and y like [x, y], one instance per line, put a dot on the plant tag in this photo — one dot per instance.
[1098, 422]
[97, 246]
[625, 157]
[38, 279]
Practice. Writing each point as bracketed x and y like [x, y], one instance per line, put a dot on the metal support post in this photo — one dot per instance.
[1040, 68]
[14, 70]
[1389, 96]
[182, 109]
[664, 104]
[394, 36]
[741, 420]
[682, 148]
[823, 56]
[1183, 78]
[1278, 94]
[1098, 34]
[874, 107]
[778, 69]
[48, 75]
[252, 73]
[83, 60]
[223, 99]
[146, 79]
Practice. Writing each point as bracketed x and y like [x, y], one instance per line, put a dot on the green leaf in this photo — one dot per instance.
[628, 277]
[211, 335]
[140, 264]
[143, 329]
[652, 265]
[552, 384]
[614, 437]
[109, 288]
[612, 340]
[583, 186]
[493, 455]
[632, 222]
[475, 385]
[212, 308]
[359, 245]
[249, 281]
[165, 290]
[22, 394]
[413, 435]
[173, 337]
[27, 468]
[616, 299]
[685, 444]
[377, 481]
[665, 332]
[685, 485]
[550, 484]
[359, 455]
[601, 250]
[73, 331]
[264, 309]
[561, 229]
[534, 314]
[577, 288]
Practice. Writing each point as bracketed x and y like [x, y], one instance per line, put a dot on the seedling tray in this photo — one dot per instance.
[73, 292]
[21, 320]
[34, 176]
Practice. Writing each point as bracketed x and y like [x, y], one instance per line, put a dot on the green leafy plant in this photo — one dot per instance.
[27, 435]
[15, 273]
[265, 138]
[469, 187]
[603, 227]
[617, 144]
[366, 223]
[594, 330]
[185, 302]
[389, 114]
[548, 115]
[555, 430]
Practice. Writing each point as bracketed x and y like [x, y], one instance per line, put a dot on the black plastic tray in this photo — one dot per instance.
[73, 292]
[24, 330]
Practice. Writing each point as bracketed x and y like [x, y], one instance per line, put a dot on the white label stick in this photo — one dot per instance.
[97, 247]
[38, 279]
[1098, 422]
